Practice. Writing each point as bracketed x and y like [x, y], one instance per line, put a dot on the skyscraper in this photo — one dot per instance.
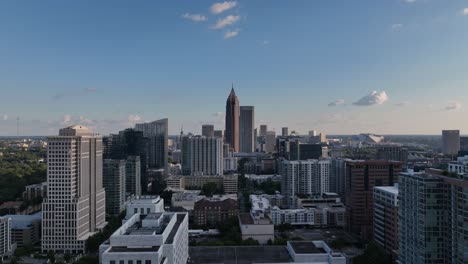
[6, 244]
[270, 141]
[433, 222]
[450, 142]
[128, 142]
[133, 184]
[386, 218]
[218, 133]
[246, 127]
[284, 132]
[362, 177]
[202, 155]
[75, 205]
[263, 130]
[114, 183]
[157, 133]
[232, 121]
[208, 130]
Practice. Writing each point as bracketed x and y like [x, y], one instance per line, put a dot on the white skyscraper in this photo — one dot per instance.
[6, 246]
[75, 205]
[309, 177]
[202, 155]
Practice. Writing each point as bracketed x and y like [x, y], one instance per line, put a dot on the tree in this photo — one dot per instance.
[13, 260]
[373, 254]
[67, 257]
[210, 188]
[51, 256]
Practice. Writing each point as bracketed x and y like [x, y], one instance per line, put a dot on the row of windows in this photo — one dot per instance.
[130, 262]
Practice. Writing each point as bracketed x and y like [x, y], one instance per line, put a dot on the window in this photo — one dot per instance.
[130, 262]
[138, 261]
[112, 262]
[147, 261]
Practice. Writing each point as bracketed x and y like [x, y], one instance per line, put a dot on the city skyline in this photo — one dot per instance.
[112, 66]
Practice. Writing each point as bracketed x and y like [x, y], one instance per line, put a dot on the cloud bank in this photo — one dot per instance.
[218, 8]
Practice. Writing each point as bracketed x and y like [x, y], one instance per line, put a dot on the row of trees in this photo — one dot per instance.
[19, 168]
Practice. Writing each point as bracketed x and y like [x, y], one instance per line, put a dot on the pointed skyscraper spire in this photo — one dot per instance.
[233, 93]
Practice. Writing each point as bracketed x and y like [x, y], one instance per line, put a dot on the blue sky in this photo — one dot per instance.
[109, 64]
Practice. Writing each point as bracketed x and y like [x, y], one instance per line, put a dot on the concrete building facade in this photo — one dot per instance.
[75, 205]
[386, 218]
[113, 174]
[202, 155]
[231, 133]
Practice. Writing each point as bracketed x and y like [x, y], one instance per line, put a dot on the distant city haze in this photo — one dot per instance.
[396, 67]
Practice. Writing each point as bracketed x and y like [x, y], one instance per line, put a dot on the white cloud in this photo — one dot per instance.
[229, 20]
[5, 117]
[84, 120]
[194, 17]
[218, 8]
[409, 1]
[133, 118]
[231, 33]
[374, 98]
[453, 106]
[337, 102]
[396, 27]
[464, 11]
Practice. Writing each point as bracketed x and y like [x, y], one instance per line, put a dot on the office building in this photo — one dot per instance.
[202, 155]
[305, 151]
[362, 177]
[263, 130]
[155, 238]
[231, 134]
[246, 129]
[228, 183]
[6, 244]
[304, 177]
[270, 142]
[386, 218]
[392, 152]
[256, 226]
[133, 184]
[26, 229]
[464, 143]
[35, 191]
[74, 208]
[144, 205]
[113, 174]
[310, 252]
[450, 142]
[219, 134]
[208, 130]
[284, 132]
[129, 142]
[213, 211]
[157, 134]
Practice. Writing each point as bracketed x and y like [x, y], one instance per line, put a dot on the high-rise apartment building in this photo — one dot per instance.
[133, 176]
[284, 132]
[6, 245]
[157, 134]
[75, 205]
[202, 155]
[386, 218]
[232, 121]
[450, 142]
[113, 175]
[208, 130]
[246, 129]
[362, 177]
[433, 222]
[306, 177]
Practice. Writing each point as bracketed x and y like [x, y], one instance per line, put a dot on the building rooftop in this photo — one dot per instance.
[239, 255]
[127, 249]
[306, 247]
[24, 221]
[388, 189]
[144, 199]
